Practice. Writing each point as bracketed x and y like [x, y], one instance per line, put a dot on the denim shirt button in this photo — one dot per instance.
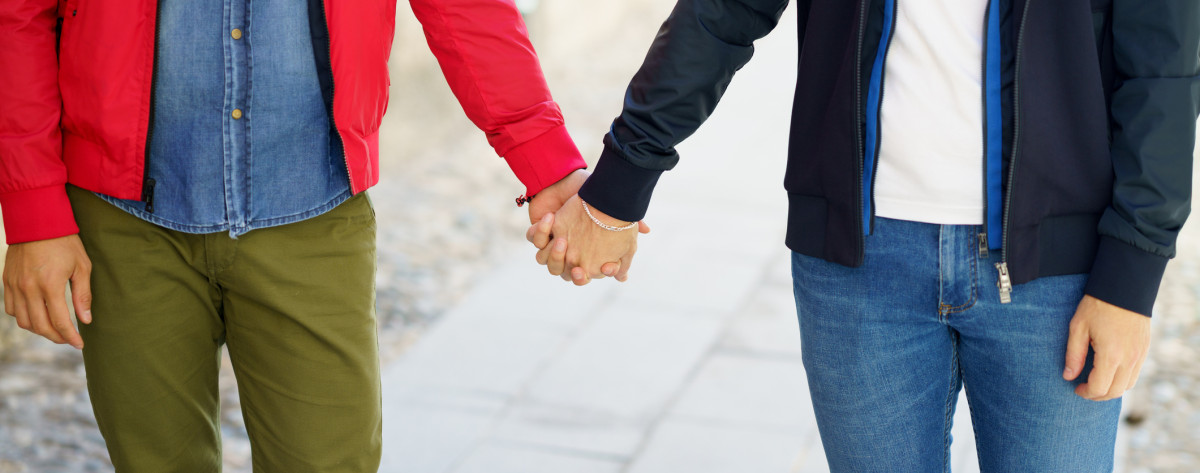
[237, 114]
[236, 33]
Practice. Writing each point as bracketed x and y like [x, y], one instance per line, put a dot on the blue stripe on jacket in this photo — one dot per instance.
[994, 128]
[874, 100]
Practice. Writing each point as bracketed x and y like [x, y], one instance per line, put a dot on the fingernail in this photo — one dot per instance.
[546, 218]
[560, 245]
[87, 316]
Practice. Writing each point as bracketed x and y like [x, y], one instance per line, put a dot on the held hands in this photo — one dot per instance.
[574, 247]
[1120, 339]
[35, 278]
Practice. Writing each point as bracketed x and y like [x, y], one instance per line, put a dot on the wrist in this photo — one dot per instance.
[604, 221]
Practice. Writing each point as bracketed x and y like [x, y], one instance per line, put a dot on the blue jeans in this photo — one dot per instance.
[888, 345]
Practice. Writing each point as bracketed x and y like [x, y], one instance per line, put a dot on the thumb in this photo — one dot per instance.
[642, 227]
[1077, 349]
[539, 233]
[81, 295]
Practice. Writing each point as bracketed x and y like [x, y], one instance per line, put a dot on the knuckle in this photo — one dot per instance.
[1077, 324]
[24, 324]
[46, 279]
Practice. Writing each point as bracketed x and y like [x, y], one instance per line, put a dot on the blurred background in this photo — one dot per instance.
[490, 366]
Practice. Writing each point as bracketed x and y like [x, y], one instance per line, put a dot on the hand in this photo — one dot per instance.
[540, 234]
[580, 245]
[553, 197]
[35, 279]
[1120, 339]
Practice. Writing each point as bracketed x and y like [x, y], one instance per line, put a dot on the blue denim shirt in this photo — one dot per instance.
[240, 136]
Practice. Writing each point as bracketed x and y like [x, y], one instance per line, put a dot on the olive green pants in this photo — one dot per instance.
[295, 306]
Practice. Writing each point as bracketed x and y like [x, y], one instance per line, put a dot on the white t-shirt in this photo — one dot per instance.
[931, 118]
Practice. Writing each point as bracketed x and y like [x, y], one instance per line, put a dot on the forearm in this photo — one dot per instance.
[32, 173]
[1153, 113]
[485, 53]
[687, 70]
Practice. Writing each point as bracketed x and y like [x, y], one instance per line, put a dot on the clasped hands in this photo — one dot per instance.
[573, 246]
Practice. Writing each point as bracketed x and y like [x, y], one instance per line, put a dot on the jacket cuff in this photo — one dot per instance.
[544, 160]
[1125, 276]
[37, 214]
[618, 187]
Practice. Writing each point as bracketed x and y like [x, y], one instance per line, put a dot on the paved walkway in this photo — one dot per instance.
[692, 366]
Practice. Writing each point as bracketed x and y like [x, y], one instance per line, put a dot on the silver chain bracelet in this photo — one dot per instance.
[604, 225]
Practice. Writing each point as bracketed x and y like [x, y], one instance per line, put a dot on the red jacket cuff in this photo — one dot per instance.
[37, 214]
[544, 160]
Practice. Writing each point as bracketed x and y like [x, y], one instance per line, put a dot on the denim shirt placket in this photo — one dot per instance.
[236, 122]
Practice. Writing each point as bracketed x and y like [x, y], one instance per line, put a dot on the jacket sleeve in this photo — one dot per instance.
[1153, 117]
[485, 54]
[33, 177]
[685, 73]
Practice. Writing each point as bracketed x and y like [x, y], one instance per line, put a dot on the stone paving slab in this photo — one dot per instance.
[629, 362]
[571, 428]
[681, 445]
[758, 391]
[501, 458]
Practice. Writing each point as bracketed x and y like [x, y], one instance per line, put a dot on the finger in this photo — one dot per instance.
[579, 276]
[1120, 383]
[1077, 350]
[1100, 379]
[60, 318]
[18, 302]
[643, 227]
[81, 295]
[610, 269]
[539, 233]
[595, 272]
[8, 303]
[1137, 372]
[39, 321]
[626, 262]
[558, 257]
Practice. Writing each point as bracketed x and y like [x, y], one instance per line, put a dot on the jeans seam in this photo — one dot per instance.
[956, 372]
[941, 277]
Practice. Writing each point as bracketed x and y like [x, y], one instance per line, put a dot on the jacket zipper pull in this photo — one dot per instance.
[1004, 283]
[983, 246]
[148, 195]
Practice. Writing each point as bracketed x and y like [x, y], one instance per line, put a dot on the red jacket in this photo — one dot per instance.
[81, 115]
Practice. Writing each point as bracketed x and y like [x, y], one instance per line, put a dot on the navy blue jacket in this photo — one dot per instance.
[1090, 119]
